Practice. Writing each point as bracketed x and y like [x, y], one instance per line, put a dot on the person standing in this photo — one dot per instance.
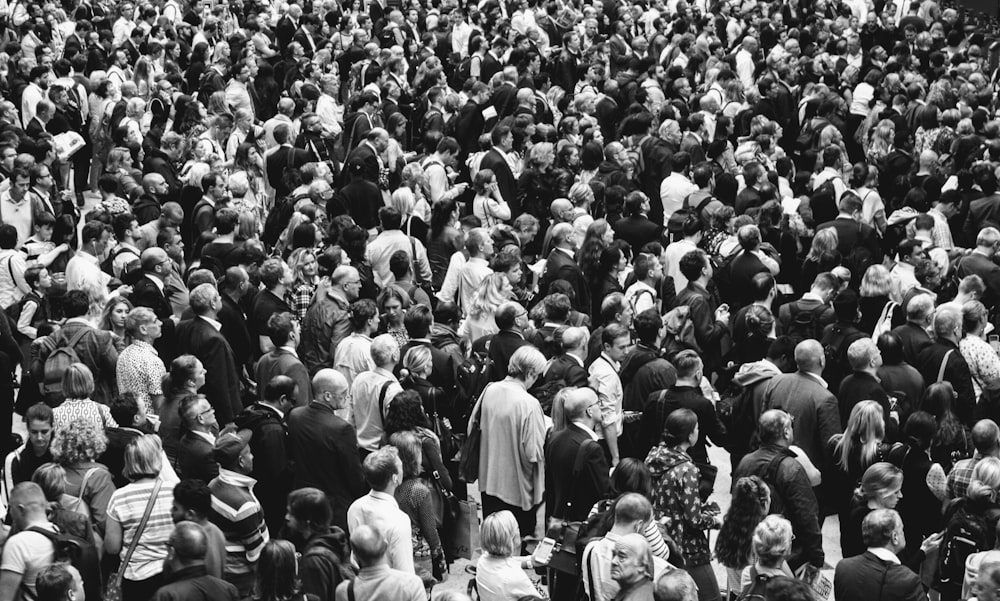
[615, 340]
[140, 370]
[328, 320]
[377, 580]
[877, 573]
[187, 579]
[384, 473]
[283, 360]
[372, 392]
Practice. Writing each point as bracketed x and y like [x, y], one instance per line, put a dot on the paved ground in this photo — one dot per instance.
[458, 579]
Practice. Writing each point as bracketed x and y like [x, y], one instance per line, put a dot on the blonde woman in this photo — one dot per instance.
[881, 488]
[494, 291]
[772, 546]
[882, 138]
[303, 264]
[822, 256]
[120, 164]
[405, 201]
[877, 309]
[500, 575]
[852, 452]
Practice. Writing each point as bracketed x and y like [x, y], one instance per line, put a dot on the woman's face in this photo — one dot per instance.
[118, 315]
[44, 279]
[622, 261]
[609, 235]
[309, 266]
[393, 310]
[514, 274]
[891, 498]
[198, 379]
[573, 158]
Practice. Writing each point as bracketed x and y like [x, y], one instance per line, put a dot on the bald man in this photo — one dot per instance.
[576, 470]
[28, 551]
[188, 579]
[154, 192]
[632, 568]
[806, 397]
[377, 581]
[325, 446]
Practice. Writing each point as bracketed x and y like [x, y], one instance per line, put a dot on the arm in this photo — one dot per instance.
[432, 451]
[47, 259]
[102, 487]
[801, 508]
[653, 536]
[450, 286]
[828, 418]
[961, 379]
[690, 501]
[609, 414]
[112, 537]
[24, 320]
[10, 584]
[428, 527]
[422, 263]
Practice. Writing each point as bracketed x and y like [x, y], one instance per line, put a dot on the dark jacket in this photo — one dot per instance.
[561, 266]
[145, 293]
[862, 386]
[576, 474]
[502, 347]
[194, 584]
[157, 161]
[324, 564]
[494, 161]
[813, 407]
[914, 339]
[791, 496]
[222, 388]
[637, 231]
[568, 369]
[983, 266]
[95, 349]
[956, 371]
[195, 460]
[277, 161]
[280, 362]
[663, 403]
[324, 449]
[268, 442]
[708, 332]
[866, 576]
[851, 235]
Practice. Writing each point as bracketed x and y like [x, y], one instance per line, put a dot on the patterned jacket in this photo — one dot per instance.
[676, 502]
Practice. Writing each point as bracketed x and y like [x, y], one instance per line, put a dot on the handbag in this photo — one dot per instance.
[442, 428]
[443, 501]
[114, 590]
[464, 540]
[468, 461]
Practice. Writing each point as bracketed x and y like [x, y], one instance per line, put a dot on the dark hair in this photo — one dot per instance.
[939, 400]
[418, 321]
[279, 386]
[692, 264]
[194, 495]
[632, 475]
[406, 412]
[679, 426]
[735, 541]
[124, 408]
[919, 430]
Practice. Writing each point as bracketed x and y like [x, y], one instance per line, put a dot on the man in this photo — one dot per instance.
[16, 205]
[275, 277]
[691, 233]
[804, 395]
[59, 582]
[745, 266]
[615, 340]
[321, 546]
[561, 265]
[913, 334]
[233, 286]
[418, 322]
[377, 580]
[171, 215]
[986, 439]
[325, 446]
[568, 365]
[384, 472]
[512, 319]
[575, 467]
[511, 458]
[632, 512]
[392, 239]
[981, 262]
[942, 361]
[793, 494]
[863, 384]
[125, 256]
[853, 233]
[637, 228]
[13, 286]
[162, 161]
[353, 354]
[193, 503]
[372, 392]
[284, 332]
[632, 568]
[140, 370]
[236, 510]
[988, 582]
[186, 575]
[809, 316]
[21, 463]
[369, 153]
[910, 253]
[265, 420]
[149, 206]
[200, 336]
[685, 394]
[283, 158]
[213, 186]
[83, 270]
[327, 321]
[878, 571]
[150, 290]
[285, 110]
[675, 585]
[237, 90]
[93, 347]
[26, 552]
[676, 187]
[643, 370]
[498, 160]
[436, 168]
[711, 321]
[194, 453]
[479, 245]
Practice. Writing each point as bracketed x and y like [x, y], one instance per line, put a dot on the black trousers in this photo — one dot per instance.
[526, 520]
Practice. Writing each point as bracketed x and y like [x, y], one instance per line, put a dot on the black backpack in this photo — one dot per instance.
[78, 552]
[676, 221]
[835, 344]
[473, 375]
[966, 532]
[805, 324]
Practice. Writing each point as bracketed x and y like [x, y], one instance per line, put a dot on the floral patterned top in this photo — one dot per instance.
[984, 364]
[676, 502]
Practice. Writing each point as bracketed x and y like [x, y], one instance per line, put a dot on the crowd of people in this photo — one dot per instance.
[298, 296]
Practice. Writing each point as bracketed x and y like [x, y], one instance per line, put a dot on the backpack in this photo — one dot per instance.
[676, 221]
[809, 133]
[58, 362]
[823, 202]
[966, 532]
[835, 344]
[108, 264]
[805, 324]
[635, 299]
[755, 590]
[474, 374]
[736, 411]
[76, 503]
[78, 552]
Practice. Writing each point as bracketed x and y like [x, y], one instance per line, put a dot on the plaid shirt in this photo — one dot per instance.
[960, 476]
[299, 298]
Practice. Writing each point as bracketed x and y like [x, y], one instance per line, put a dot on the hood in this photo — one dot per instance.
[442, 334]
[335, 541]
[255, 416]
[608, 167]
[752, 373]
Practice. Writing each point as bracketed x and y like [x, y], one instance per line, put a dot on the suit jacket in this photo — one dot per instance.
[303, 38]
[956, 371]
[986, 268]
[742, 270]
[637, 231]
[469, 125]
[324, 450]
[576, 474]
[195, 460]
[504, 100]
[145, 293]
[568, 369]
[851, 234]
[859, 577]
[813, 407]
[983, 212]
[561, 266]
[222, 388]
[914, 339]
[694, 147]
[281, 362]
[502, 347]
[505, 177]
[277, 161]
[234, 329]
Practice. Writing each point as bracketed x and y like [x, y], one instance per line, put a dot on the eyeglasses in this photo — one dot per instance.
[207, 411]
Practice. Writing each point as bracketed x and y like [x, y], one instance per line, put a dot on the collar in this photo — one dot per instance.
[884, 554]
[575, 358]
[236, 479]
[290, 350]
[215, 324]
[272, 408]
[614, 364]
[145, 346]
[812, 296]
[590, 432]
[206, 435]
[82, 320]
[816, 377]
[382, 497]
[568, 252]
[188, 573]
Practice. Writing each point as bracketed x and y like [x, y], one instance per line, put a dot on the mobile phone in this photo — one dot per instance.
[994, 341]
[543, 552]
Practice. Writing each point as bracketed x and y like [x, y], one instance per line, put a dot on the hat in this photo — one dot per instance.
[229, 445]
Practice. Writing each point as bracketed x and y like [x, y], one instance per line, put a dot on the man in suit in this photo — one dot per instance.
[200, 336]
[287, 25]
[815, 303]
[804, 395]
[285, 333]
[325, 447]
[469, 121]
[561, 265]
[308, 26]
[285, 156]
[504, 98]
[233, 286]
[369, 153]
[941, 361]
[745, 266]
[512, 319]
[654, 164]
[568, 365]
[637, 229]
[194, 453]
[981, 262]
[148, 291]
[913, 334]
[711, 322]
[877, 573]
[496, 159]
[852, 234]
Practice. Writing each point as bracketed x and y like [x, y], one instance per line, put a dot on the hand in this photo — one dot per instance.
[931, 542]
[124, 290]
[722, 314]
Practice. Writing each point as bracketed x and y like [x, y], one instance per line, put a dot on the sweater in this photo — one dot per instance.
[236, 511]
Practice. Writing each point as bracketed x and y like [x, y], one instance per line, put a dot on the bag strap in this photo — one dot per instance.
[381, 398]
[86, 478]
[72, 342]
[138, 531]
[350, 591]
[944, 364]
[477, 410]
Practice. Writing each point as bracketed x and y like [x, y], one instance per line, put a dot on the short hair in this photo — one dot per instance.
[526, 361]
[418, 321]
[143, 457]
[772, 540]
[946, 321]
[280, 327]
[647, 325]
[136, 318]
[861, 352]
[878, 527]
[39, 412]
[985, 436]
[506, 314]
[632, 507]
[310, 505]
[988, 236]
[78, 381]
[675, 585]
[972, 284]
[361, 312]
[771, 426]
[384, 350]
[749, 237]
[920, 307]
[497, 534]
[194, 495]
[613, 332]
[399, 264]
[271, 272]
[189, 541]
[678, 426]
[54, 582]
[380, 466]
[692, 264]
[124, 408]
[687, 362]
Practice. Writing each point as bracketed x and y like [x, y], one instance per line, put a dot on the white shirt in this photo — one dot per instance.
[604, 378]
[450, 286]
[381, 511]
[673, 190]
[30, 98]
[470, 278]
[83, 271]
[744, 68]
[330, 114]
[829, 173]
[673, 253]
[388, 242]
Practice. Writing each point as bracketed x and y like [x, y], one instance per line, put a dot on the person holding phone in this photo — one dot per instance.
[489, 205]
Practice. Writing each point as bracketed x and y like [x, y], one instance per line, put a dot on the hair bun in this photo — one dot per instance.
[404, 374]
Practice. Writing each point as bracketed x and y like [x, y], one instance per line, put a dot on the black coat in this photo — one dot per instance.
[576, 474]
[956, 371]
[637, 231]
[503, 344]
[222, 388]
[194, 584]
[276, 162]
[561, 266]
[324, 449]
[914, 339]
[505, 178]
[866, 576]
[268, 441]
[194, 458]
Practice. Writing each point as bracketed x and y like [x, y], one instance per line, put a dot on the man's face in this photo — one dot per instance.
[178, 513]
[617, 349]
[19, 187]
[246, 459]
[626, 566]
[207, 414]
[159, 185]
[8, 157]
[175, 248]
[39, 435]
[44, 180]
[918, 255]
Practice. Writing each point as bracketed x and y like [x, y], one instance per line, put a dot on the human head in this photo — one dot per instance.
[772, 541]
[330, 387]
[307, 513]
[499, 534]
[383, 469]
[38, 420]
[774, 427]
[526, 364]
[881, 484]
[143, 458]
[232, 451]
[192, 501]
[883, 528]
[631, 561]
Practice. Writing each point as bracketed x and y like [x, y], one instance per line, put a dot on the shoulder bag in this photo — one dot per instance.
[114, 590]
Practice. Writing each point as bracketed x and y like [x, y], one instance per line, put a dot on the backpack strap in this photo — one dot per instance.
[86, 478]
[72, 342]
[944, 365]
[381, 398]
[350, 591]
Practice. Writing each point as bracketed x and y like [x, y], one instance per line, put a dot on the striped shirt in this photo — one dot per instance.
[238, 513]
[126, 507]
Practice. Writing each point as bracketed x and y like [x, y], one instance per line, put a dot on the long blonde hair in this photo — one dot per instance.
[491, 294]
[865, 431]
[824, 243]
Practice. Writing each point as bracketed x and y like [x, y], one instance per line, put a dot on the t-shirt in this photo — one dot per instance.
[26, 553]
[127, 506]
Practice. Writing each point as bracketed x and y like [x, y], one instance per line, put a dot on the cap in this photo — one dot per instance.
[229, 445]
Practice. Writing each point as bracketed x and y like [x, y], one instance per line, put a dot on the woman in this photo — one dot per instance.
[632, 475]
[537, 185]
[612, 263]
[753, 337]
[113, 319]
[822, 256]
[500, 576]
[772, 546]
[860, 446]
[598, 237]
[415, 498]
[676, 500]
[734, 545]
[494, 291]
[952, 440]
[143, 573]
[78, 387]
[102, 103]
[88, 482]
[185, 377]
[881, 488]
[720, 229]
[984, 364]
[980, 500]
[119, 164]
[417, 367]
[404, 201]
[874, 304]
[927, 134]
[864, 180]
[129, 131]
[277, 576]
[923, 482]
[303, 264]
[242, 127]
[395, 153]
[882, 141]
[393, 303]
[445, 239]
[489, 205]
